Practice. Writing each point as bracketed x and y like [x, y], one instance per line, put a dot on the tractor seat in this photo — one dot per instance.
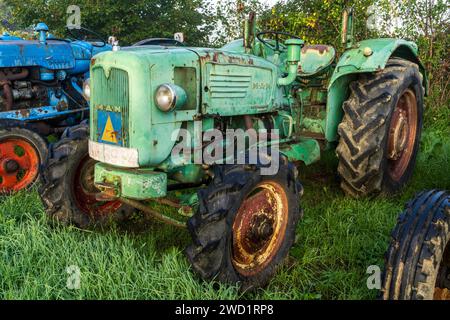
[315, 59]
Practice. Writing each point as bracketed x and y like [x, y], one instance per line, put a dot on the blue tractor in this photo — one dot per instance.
[41, 94]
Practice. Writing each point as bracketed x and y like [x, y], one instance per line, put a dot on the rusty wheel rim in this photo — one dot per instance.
[84, 191]
[442, 287]
[402, 135]
[259, 228]
[19, 164]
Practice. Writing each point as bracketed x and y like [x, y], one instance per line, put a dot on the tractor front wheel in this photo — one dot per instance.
[418, 259]
[68, 190]
[245, 225]
[22, 152]
[380, 131]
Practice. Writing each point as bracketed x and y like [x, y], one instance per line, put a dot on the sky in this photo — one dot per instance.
[269, 2]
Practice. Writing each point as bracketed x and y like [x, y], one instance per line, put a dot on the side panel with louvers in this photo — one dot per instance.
[111, 93]
[226, 86]
[232, 89]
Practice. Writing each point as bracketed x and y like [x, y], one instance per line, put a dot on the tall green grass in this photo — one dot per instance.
[336, 241]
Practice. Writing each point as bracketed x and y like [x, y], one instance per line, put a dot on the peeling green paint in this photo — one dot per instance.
[132, 183]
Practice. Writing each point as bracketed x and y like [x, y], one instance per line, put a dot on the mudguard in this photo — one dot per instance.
[366, 56]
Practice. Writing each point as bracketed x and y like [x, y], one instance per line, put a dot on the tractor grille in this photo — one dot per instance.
[112, 94]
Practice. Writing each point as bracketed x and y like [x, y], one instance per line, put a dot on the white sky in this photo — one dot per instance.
[269, 2]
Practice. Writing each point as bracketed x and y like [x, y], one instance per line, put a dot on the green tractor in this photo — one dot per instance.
[367, 105]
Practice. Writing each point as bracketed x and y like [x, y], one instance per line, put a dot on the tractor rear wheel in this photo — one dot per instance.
[380, 131]
[245, 225]
[418, 259]
[68, 190]
[22, 152]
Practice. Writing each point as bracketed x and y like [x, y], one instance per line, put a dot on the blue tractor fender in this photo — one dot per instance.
[366, 56]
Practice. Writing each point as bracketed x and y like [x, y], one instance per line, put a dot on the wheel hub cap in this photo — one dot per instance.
[11, 166]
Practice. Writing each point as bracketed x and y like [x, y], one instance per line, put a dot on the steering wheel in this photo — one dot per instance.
[84, 34]
[277, 34]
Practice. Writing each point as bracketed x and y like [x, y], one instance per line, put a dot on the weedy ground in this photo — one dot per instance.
[336, 242]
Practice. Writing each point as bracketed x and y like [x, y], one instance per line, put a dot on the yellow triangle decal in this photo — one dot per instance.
[109, 134]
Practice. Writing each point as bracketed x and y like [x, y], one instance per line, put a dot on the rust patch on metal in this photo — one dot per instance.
[441, 294]
[320, 48]
[258, 228]
[87, 194]
[219, 57]
[23, 113]
[216, 57]
[402, 134]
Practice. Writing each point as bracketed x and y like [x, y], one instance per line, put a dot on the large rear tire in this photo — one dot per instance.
[381, 128]
[245, 225]
[418, 259]
[22, 153]
[68, 190]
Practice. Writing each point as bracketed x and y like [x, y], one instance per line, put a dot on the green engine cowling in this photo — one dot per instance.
[124, 84]
[130, 135]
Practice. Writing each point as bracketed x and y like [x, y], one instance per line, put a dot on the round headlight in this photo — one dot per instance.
[87, 89]
[169, 96]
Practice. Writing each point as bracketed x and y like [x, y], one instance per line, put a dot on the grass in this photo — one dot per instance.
[336, 241]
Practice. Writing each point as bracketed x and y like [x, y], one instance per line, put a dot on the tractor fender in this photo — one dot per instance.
[366, 56]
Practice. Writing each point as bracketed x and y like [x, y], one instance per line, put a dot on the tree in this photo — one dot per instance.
[129, 21]
[427, 22]
[316, 21]
[229, 17]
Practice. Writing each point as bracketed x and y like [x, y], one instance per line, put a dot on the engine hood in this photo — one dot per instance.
[54, 55]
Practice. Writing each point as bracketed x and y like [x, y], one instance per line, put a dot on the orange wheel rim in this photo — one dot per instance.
[402, 135]
[19, 164]
[259, 228]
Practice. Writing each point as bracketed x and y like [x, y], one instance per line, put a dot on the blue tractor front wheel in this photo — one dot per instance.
[22, 153]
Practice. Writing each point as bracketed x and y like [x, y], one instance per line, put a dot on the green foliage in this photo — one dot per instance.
[229, 17]
[316, 21]
[427, 22]
[128, 21]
